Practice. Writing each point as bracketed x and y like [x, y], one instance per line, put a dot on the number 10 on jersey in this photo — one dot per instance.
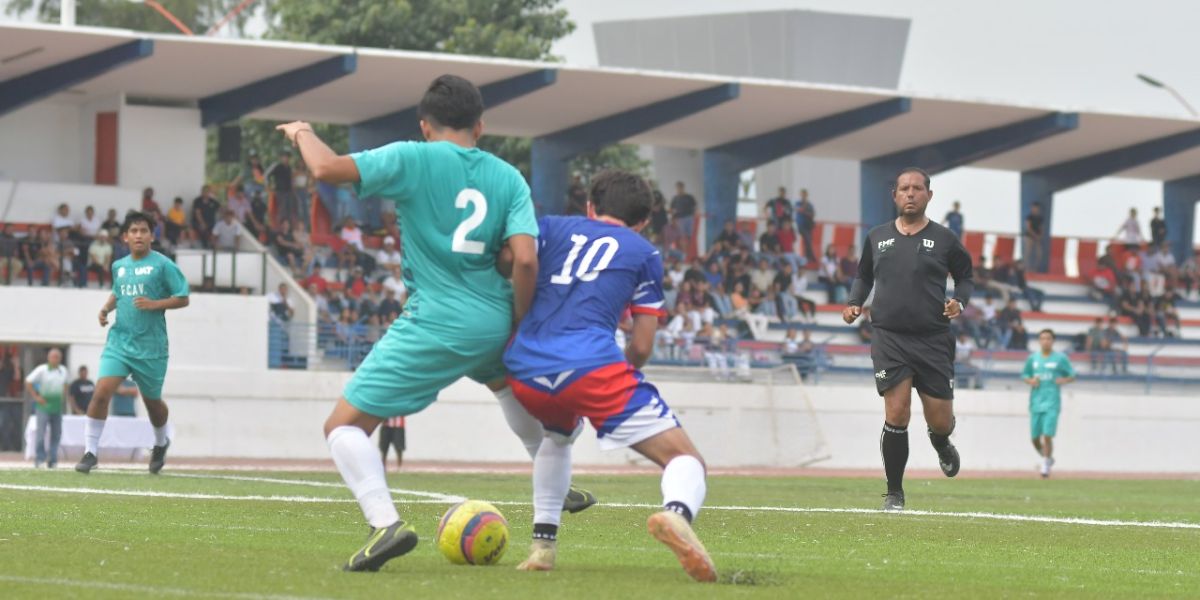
[586, 272]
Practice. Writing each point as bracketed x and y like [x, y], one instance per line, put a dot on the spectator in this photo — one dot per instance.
[356, 283]
[1096, 344]
[744, 310]
[388, 255]
[99, 259]
[149, 206]
[1019, 338]
[47, 384]
[40, 254]
[227, 233]
[286, 246]
[11, 261]
[807, 307]
[1033, 237]
[848, 266]
[1034, 296]
[1158, 228]
[282, 180]
[258, 217]
[659, 217]
[830, 274]
[722, 347]
[683, 207]
[768, 242]
[90, 224]
[729, 236]
[1009, 324]
[237, 201]
[395, 282]
[973, 323]
[176, 221]
[1118, 346]
[112, 224]
[351, 234]
[954, 220]
[388, 227]
[787, 246]
[1189, 273]
[1132, 304]
[281, 304]
[391, 434]
[1104, 283]
[81, 392]
[253, 177]
[124, 401]
[1166, 315]
[1130, 232]
[713, 274]
[302, 194]
[762, 276]
[204, 215]
[806, 220]
[779, 209]
[391, 302]
[965, 371]
[674, 240]
[865, 328]
[62, 219]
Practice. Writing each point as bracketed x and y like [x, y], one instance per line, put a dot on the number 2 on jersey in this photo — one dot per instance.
[460, 243]
[586, 272]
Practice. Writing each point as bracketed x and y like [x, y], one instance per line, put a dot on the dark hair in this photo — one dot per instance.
[923, 172]
[134, 216]
[451, 101]
[622, 195]
[1049, 331]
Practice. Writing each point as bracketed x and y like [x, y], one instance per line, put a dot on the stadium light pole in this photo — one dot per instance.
[1152, 82]
[166, 15]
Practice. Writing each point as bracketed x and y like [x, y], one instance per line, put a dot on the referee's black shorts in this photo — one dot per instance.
[927, 358]
[391, 436]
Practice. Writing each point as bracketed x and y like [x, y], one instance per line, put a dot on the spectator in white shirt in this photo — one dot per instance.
[227, 232]
[351, 234]
[100, 258]
[394, 281]
[48, 384]
[388, 255]
[240, 205]
[1130, 232]
[62, 218]
[90, 224]
[281, 304]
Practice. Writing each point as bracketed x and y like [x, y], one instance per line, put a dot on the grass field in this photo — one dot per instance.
[274, 535]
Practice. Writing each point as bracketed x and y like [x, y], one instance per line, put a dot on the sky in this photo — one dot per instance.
[1064, 54]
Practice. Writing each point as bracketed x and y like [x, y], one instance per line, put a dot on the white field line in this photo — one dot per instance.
[146, 590]
[783, 509]
[321, 484]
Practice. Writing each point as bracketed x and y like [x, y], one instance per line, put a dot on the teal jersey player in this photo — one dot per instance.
[460, 209]
[1046, 371]
[146, 284]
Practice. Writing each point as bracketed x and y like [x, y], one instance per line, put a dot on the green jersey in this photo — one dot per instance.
[143, 333]
[49, 383]
[1046, 397]
[456, 207]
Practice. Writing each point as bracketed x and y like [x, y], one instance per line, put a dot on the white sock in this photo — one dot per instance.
[521, 422]
[358, 462]
[551, 480]
[683, 482]
[91, 431]
[160, 436]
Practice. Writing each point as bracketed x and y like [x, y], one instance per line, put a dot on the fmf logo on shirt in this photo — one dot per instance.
[887, 244]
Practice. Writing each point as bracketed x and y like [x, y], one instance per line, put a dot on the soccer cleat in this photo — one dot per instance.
[948, 460]
[1045, 467]
[893, 502]
[158, 456]
[383, 544]
[541, 556]
[578, 499]
[87, 463]
[670, 528]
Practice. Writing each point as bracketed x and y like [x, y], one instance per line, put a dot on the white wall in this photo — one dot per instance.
[215, 332]
[279, 415]
[162, 148]
[41, 142]
[35, 201]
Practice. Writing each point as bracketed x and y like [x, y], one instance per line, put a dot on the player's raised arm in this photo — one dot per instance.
[324, 164]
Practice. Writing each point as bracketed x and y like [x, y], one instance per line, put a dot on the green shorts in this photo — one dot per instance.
[1043, 423]
[409, 366]
[148, 373]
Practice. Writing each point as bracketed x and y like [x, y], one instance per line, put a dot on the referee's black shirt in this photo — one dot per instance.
[908, 273]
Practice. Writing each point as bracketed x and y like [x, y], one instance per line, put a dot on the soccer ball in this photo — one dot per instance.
[473, 533]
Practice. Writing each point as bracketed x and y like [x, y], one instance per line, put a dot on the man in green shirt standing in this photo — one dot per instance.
[146, 284]
[47, 384]
[1046, 371]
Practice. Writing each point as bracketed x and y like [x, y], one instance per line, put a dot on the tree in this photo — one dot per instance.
[198, 15]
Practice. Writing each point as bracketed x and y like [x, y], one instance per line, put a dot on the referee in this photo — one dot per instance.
[906, 261]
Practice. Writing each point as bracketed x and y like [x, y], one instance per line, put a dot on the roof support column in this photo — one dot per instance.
[1179, 210]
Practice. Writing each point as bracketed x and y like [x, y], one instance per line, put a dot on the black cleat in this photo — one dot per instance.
[948, 460]
[578, 499]
[87, 463]
[893, 502]
[383, 545]
[158, 456]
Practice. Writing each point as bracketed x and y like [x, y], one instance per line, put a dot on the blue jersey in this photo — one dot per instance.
[589, 273]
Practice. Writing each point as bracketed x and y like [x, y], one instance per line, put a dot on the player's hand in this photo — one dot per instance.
[40, 400]
[952, 309]
[103, 318]
[851, 313]
[1034, 382]
[144, 303]
[291, 129]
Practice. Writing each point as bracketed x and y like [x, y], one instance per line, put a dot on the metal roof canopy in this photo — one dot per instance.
[187, 69]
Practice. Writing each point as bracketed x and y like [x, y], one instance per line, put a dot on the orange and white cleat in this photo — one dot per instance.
[672, 529]
[541, 556]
